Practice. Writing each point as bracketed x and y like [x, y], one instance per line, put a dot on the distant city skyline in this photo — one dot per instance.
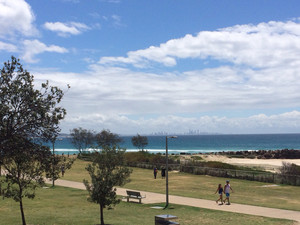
[138, 66]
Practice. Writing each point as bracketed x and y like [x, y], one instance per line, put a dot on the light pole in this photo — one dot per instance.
[167, 172]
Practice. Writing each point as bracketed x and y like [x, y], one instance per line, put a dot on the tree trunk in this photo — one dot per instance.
[22, 212]
[101, 215]
[21, 201]
[53, 165]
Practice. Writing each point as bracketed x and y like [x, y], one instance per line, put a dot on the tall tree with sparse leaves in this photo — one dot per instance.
[107, 139]
[28, 116]
[139, 142]
[107, 171]
[82, 138]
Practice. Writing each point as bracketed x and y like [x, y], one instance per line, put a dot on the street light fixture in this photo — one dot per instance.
[167, 170]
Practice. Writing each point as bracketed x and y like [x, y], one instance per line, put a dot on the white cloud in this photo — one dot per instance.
[66, 29]
[35, 47]
[117, 21]
[95, 15]
[264, 45]
[264, 75]
[72, 1]
[16, 17]
[111, 1]
[7, 47]
[277, 123]
[103, 96]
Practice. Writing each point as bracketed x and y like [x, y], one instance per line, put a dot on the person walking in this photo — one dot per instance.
[220, 191]
[62, 170]
[163, 173]
[227, 189]
[155, 172]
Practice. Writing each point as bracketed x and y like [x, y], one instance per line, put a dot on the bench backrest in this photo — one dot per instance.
[134, 193]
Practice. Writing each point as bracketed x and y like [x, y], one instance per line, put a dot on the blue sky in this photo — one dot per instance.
[140, 66]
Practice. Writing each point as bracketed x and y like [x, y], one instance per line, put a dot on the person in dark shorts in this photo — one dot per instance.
[155, 172]
[163, 173]
[220, 192]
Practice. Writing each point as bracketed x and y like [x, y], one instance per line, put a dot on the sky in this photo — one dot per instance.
[163, 66]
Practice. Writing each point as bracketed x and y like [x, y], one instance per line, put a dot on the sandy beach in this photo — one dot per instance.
[268, 164]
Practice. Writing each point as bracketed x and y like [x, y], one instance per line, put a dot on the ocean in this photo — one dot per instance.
[202, 143]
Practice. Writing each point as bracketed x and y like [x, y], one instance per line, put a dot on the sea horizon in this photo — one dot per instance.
[204, 143]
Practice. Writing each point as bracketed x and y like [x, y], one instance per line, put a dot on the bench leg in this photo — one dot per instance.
[127, 199]
[140, 201]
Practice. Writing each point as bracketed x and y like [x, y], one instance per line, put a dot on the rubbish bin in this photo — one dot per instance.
[165, 219]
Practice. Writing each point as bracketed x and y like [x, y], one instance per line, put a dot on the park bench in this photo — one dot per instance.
[135, 195]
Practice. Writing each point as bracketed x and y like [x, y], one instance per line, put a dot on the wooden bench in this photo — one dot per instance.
[135, 195]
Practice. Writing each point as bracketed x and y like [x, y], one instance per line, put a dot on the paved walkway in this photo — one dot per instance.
[201, 203]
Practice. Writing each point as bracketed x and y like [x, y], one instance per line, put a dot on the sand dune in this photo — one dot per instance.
[269, 164]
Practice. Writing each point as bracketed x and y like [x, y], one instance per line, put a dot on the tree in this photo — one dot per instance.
[107, 171]
[289, 169]
[28, 116]
[107, 139]
[82, 138]
[24, 164]
[289, 172]
[58, 164]
[139, 141]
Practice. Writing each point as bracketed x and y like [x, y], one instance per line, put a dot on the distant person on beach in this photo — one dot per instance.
[62, 170]
[163, 173]
[220, 192]
[155, 172]
[227, 189]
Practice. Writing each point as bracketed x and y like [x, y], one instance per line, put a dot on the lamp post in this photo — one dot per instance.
[167, 172]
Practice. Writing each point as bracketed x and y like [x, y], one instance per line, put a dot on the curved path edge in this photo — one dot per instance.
[200, 203]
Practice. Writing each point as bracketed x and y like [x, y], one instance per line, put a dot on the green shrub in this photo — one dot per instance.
[289, 169]
[135, 158]
[86, 156]
[197, 158]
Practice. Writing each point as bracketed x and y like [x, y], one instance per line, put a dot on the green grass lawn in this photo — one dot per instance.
[199, 186]
[67, 206]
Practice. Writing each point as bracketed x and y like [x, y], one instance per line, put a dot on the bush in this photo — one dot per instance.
[135, 158]
[197, 158]
[289, 169]
[86, 156]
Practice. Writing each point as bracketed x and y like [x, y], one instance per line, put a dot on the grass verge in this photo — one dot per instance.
[199, 186]
[66, 206]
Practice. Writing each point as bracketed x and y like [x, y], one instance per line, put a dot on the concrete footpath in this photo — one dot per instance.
[201, 203]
